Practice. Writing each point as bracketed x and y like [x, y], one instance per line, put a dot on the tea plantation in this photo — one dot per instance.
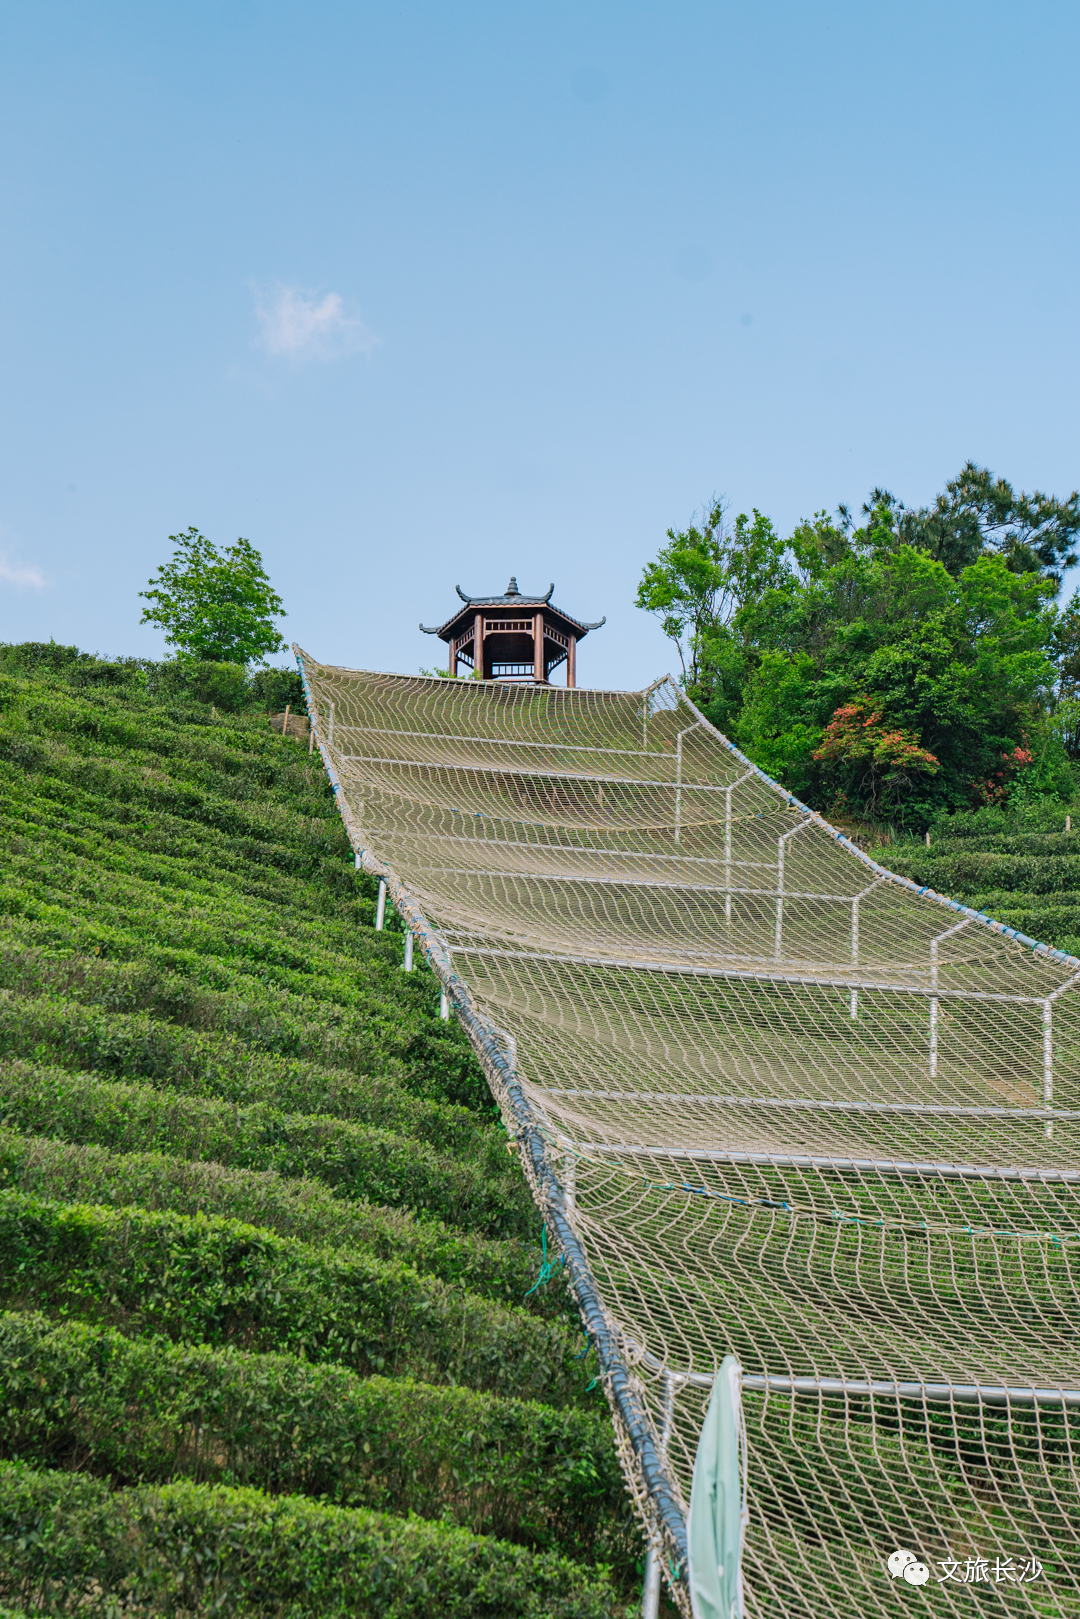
[1022, 868]
[267, 1339]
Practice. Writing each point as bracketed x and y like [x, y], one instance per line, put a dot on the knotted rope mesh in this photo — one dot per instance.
[788, 1107]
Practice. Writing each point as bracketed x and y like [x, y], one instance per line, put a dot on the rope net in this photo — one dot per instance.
[789, 1107]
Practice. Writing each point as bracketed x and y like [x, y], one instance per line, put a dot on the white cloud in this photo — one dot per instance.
[12, 574]
[300, 325]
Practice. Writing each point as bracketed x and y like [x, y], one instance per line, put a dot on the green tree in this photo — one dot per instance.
[214, 606]
[699, 582]
[686, 587]
[910, 664]
[979, 514]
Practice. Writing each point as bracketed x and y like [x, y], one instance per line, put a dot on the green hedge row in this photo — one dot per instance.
[369, 1019]
[353, 1159]
[254, 1047]
[216, 1281]
[306, 1027]
[144, 1411]
[277, 868]
[135, 1046]
[304, 1209]
[953, 871]
[351, 1007]
[69, 1545]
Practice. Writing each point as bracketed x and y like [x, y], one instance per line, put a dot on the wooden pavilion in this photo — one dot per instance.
[513, 637]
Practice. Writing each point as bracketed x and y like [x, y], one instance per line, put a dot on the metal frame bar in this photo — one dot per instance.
[544, 775]
[420, 836]
[780, 1383]
[920, 1108]
[651, 882]
[875, 1166]
[780, 853]
[749, 975]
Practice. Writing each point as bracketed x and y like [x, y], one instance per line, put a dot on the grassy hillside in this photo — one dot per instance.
[264, 1336]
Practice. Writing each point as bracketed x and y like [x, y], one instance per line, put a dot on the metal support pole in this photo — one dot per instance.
[408, 952]
[444, 1006]
[678, 776]
[854, 952]
[778, 937]
[727, 852]
[356, 862]
[650, 1599]
[935, 1004]
[781, 842]
[1048, 1064]
[380, 909]
[650, 1602]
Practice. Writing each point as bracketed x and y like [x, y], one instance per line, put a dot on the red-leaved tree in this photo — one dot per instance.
[857, 736]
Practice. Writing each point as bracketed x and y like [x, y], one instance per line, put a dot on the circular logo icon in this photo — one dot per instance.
[899, 1561]
[916, 1573]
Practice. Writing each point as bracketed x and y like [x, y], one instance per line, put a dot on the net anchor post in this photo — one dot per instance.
[727, 841]
[380, 909]
[444, 1005]
[727, 852]
[408, 964]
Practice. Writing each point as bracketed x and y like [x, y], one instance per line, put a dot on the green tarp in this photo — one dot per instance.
[717, 1518]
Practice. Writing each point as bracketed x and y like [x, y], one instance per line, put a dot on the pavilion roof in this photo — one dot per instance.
[513, 599]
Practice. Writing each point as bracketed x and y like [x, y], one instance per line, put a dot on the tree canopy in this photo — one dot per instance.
[914, 663]
[215, 606]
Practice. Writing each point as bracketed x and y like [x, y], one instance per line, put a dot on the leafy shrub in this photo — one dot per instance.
[271, 689]
[356, 1160]
[215, 1281]
[70, 1545]
[293, 1207]
[225, 685]
[149, 1411]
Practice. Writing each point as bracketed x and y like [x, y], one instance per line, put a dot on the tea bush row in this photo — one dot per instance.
[206, 1279]
[295, 1207]
[354, 1159]
[144, 1411]
[70, 1545]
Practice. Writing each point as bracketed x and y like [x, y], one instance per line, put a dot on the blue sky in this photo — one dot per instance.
[423, 294]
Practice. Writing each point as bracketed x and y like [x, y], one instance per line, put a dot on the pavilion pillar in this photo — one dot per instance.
[453, 657]
[571, 662]
[539, 671]
[478, 645]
